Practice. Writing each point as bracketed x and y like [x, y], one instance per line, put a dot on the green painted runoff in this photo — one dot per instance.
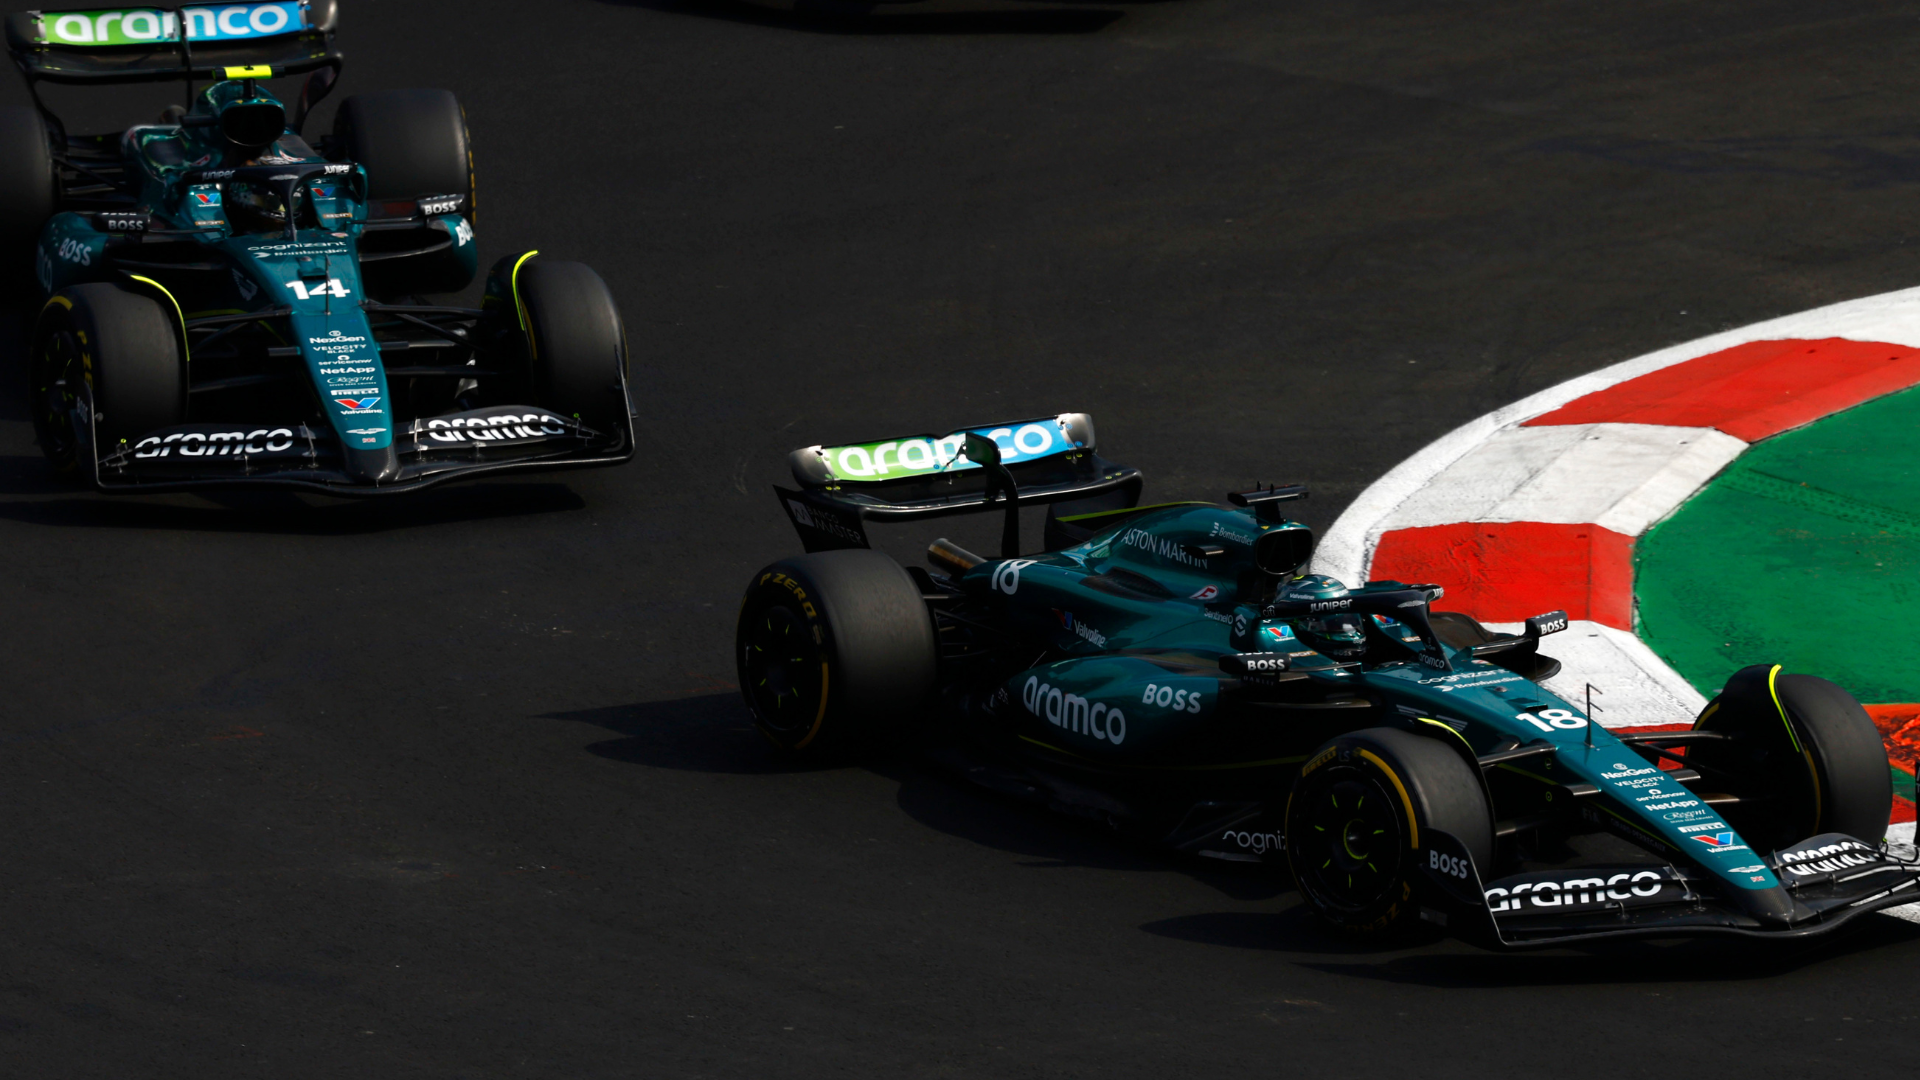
[1804, 552]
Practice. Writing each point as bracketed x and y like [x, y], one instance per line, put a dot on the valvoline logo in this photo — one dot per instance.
[1717, 840]
[356, 406]
[1075, 626]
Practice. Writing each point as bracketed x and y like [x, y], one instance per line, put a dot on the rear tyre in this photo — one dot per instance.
[834, 649]
[1358, 820]
[27, 191]
[1804, 759]
[413, 143]
[109, 349]
[576, 343]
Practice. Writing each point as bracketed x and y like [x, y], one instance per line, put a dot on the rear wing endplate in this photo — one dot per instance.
[1049, 459]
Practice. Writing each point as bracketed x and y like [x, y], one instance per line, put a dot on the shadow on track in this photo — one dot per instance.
[831, 17]
[1293, 929]
[266, 511]
[1462, 966]
[710, 733]
[707, 734]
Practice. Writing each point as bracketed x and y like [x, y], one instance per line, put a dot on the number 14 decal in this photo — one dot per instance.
[1548, 719]
[330, 287]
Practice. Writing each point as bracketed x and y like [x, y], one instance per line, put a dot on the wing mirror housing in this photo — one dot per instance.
[318, 86]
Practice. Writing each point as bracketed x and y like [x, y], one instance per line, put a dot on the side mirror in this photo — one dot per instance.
[981, 450]
[319, 85]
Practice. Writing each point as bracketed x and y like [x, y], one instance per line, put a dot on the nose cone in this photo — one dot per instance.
[372, 466]
[1771, 906]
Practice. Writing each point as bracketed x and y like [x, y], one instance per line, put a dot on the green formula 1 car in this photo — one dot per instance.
[1178, 672]
[224, 302]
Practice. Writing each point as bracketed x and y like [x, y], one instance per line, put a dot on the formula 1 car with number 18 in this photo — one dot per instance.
[1178, 672]
[227, 304]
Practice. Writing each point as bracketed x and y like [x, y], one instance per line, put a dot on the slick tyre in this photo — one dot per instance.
[1361, 817]
[27, 192]
[413, 143]
[112, 350]
[576, 343]
[1803, 759]
[835, 650]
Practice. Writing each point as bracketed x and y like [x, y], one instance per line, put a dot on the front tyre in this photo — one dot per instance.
[113, 352]
[1360, 817]
[576, 343]
[834, 649]
[1803, 759]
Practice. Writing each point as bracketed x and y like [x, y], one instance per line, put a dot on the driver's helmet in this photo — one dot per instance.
[257, 207]
[1335, 632]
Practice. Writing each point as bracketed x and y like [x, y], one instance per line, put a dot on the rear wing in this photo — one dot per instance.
[154, 44]
[1049, 459]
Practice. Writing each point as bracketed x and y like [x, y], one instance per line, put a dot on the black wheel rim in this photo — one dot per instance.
[1347, 840]
[784, 669]
[56, 385]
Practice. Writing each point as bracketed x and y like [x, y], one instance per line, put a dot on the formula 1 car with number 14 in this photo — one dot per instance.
[226, 304]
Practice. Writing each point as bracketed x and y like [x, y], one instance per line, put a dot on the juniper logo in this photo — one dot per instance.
[138, 26]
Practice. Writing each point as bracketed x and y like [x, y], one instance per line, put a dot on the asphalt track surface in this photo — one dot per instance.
[460, 787]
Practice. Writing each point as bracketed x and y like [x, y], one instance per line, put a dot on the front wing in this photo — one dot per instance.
[1827, 880]
[427, 451]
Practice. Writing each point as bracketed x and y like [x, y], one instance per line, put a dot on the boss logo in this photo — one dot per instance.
[1450, 865]
[430, 207]
[1255, 665]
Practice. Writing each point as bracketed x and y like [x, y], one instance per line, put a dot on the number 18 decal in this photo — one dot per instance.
[1548, 719]
[330, 287]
